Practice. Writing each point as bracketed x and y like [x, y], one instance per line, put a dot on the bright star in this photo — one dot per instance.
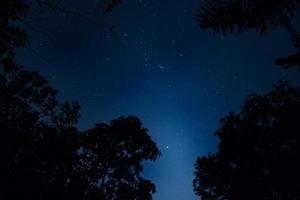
[161, 67]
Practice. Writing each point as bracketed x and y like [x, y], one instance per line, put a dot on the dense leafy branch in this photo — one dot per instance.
[294, 59]
[258, 153]
[238, 15]
[235, 16]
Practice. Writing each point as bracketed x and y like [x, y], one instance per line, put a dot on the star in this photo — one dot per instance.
[161, 67]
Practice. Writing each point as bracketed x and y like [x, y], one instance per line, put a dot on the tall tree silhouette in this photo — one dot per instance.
[229, 16]
[43, 155]
[258, 154]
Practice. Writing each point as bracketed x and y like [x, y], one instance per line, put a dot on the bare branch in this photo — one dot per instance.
[56, 7]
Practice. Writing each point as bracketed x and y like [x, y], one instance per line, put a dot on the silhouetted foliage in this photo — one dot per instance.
[294, 59]
[237, 15]
[11, 35]
[258, 154]
[43, 155]
[229, 16]
[110, 5]
[111, 158]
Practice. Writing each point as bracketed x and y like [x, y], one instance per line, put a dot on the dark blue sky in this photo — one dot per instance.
[159, 66]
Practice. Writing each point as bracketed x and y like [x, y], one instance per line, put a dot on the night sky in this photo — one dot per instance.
[158, 65]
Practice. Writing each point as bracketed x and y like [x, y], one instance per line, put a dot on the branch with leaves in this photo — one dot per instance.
[236, 16]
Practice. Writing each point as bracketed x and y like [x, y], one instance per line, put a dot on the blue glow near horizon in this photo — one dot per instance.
[161, 67]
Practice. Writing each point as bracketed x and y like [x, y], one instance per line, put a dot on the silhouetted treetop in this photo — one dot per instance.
[235, 16]
[258, 154]
[229, 16]
[112, 156]
[43, 155]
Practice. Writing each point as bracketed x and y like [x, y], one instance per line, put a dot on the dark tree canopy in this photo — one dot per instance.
[258, 155]
[43, 155]
[294, 59]
[230, 16]
[237, 15]
[11, 35]
[111, 157]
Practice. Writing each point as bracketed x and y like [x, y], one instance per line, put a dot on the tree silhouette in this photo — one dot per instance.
[230, 16]
[43, 155]
[11, 35]
[294, 59]
[258, 154]
[111, 157]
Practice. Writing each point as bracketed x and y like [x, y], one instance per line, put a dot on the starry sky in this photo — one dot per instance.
[158, 65]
